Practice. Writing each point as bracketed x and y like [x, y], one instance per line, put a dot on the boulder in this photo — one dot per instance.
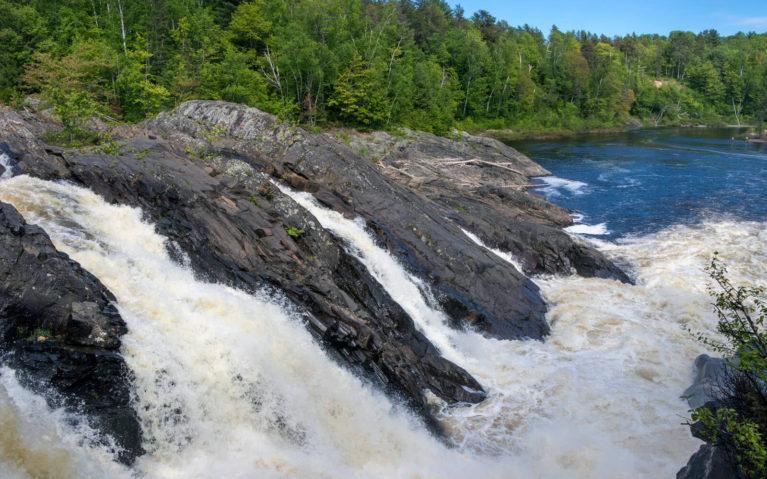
[707, 385]
[60, 332]
[709, 462]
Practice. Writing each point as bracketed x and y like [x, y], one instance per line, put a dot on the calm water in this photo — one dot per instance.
[643, 181]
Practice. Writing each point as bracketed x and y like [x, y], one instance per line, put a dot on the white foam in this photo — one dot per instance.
[555, 185]
[600, 398]
[5, 162]
[506, 256]
[39, 442]
[232, 386]
[228, 384]
[584, 229]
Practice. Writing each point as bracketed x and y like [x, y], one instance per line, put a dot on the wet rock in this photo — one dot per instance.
[480, 182]
[709, 462]
[8, 165]
[466, 279]
[59, 330]
[233, 229]
[709, 379]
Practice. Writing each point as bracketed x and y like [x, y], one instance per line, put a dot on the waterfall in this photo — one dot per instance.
[504, 255]
[231, 384]
[228, 384]
[601, 397]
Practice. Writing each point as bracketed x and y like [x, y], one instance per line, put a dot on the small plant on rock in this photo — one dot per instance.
[294, 232]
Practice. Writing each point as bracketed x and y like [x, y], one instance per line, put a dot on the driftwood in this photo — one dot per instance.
[483, 162]
[520, 187]
[399, 171]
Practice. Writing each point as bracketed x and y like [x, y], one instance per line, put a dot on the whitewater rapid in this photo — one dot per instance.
[231, 385]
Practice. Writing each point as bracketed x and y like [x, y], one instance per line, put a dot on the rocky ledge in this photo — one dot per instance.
[204, 175]
[711, 460]
[59, 329]
[481, 185]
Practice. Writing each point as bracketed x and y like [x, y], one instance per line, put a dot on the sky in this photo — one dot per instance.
[622, 17]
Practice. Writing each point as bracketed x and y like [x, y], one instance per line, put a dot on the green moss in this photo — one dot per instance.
[294, 232]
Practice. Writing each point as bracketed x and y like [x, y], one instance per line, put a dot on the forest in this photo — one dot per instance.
[369, 65]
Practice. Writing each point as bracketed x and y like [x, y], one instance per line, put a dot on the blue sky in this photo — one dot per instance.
[618, 17]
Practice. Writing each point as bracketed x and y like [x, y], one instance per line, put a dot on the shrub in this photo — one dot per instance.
[738, 423]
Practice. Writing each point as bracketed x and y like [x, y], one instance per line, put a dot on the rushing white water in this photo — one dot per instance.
[231, 385]
[553, 185]
[37, 442]
[5, 162]
[600, 398]
[504, 255]
[584, 229]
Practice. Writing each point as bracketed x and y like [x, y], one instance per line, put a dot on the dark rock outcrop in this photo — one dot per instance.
[709, 462]
[203, 174]
[466, 280]
[710, 376]
[59, 330]
[232, 224]
[479, 182]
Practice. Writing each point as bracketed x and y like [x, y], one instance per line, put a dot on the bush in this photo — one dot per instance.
[738, 423]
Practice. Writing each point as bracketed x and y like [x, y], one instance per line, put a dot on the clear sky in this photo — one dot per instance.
[620, 17]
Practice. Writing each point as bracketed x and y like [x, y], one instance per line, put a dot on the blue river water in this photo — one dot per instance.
[642, 181]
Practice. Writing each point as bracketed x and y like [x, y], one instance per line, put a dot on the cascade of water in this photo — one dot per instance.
[5, 162]
[232, 385]
[228, 384]
[600, 398]
[504, 255]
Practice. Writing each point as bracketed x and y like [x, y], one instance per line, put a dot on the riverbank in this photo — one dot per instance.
[507, 135]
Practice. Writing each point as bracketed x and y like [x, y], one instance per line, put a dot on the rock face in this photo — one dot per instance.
[710, 461]
[466, 280]
[480, 184]
[60, 330]
[203, 174]
[231, 222]
[706, 388]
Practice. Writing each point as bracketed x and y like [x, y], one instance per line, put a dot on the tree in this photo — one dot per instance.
[140, 96]
[21, 30]
[74, 84]
[355, 98]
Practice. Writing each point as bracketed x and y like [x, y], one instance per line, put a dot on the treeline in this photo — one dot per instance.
[368, 64]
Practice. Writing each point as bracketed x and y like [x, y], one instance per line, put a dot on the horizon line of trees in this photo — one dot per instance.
[368, 64]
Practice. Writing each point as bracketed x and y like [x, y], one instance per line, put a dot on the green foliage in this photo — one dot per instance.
[355, 99]
[107, 145]
[740, 436]
[368, 65]
[266, 189]
[738, 425]
[39, 334]
[72, 84]
[294, 232]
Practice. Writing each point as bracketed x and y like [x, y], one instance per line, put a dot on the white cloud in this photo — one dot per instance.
[758, 22]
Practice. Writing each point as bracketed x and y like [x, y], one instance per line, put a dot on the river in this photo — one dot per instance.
[231, 385]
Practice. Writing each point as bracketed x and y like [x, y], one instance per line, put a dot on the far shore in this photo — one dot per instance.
[559, 134]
